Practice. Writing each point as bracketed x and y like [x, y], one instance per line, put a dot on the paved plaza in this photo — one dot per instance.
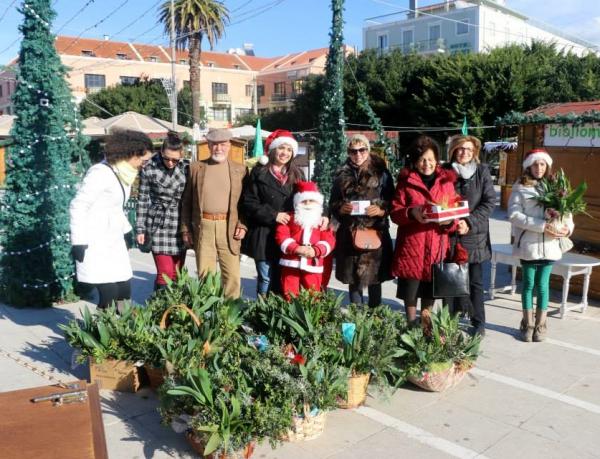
[523, 400]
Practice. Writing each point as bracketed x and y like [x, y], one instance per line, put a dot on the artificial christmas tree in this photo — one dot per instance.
[43, 165]
[331, 140]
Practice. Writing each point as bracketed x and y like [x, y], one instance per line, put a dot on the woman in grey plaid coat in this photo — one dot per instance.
[162, 182]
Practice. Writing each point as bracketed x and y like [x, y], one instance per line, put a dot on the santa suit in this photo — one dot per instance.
[297, 271]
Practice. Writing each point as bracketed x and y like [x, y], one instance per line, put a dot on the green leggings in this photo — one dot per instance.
[536, 276]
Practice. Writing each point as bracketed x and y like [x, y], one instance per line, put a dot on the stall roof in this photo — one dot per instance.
[577, 108]
[560, 113]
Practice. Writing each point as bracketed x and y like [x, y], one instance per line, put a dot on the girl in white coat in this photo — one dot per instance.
[535, 242]
[98, 222]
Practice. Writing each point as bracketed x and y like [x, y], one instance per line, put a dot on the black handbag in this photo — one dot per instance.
[450, 280]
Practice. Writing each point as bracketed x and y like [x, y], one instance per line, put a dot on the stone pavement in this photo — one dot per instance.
[536, 400]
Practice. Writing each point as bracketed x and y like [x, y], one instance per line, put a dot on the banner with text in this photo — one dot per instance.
[570, 135]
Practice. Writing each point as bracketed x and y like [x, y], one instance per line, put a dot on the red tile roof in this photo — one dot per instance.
[74, 46]
[566, 108]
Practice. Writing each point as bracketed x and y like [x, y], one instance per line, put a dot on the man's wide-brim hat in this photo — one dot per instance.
[305, 191]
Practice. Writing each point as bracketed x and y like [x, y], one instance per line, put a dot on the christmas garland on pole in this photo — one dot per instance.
[331, 140]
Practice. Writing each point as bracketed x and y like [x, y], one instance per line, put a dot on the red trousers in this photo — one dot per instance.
[167, 265]
[292, 279]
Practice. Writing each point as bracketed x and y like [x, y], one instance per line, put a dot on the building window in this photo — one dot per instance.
[87, 52]
[236, 66]
[220, 114]
[153, 59]
[382, 42]
[182, 61]
[128, 80]
[435, 32]
[121, 56]
[210, 64]
[239, 112]
[219, 88]
[297, 87]
[94, 83]
[1, 95]
[462, 27]
[260, 90]
[279, 88]
[249, 90]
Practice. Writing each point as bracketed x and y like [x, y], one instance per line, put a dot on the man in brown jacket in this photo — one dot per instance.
[210, 222]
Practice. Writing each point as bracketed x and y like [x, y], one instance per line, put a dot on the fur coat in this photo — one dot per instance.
[373, 183]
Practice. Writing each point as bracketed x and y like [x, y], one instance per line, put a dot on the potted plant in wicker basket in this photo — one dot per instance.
[113, 343]
[438, 360]
[369, 351]
[319, 385]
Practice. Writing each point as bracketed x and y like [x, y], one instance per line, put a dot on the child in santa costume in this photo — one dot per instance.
[303, 245]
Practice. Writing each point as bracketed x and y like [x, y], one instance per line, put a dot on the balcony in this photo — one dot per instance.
[221, 99]
[423, 47]
[279, 97]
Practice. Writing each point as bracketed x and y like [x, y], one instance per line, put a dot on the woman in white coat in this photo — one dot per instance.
[535, 242]
[98, 222]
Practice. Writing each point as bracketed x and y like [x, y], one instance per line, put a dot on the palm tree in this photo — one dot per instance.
[195, 20]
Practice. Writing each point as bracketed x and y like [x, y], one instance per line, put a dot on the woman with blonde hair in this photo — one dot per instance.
[363, 177]
[474, 183]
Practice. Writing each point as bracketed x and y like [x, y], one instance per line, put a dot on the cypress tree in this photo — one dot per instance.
[44, 163]
[331, 140]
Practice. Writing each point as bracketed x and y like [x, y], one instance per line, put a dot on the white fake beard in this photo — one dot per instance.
[308, 216]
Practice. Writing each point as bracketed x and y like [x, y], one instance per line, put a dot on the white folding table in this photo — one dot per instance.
[571, 264]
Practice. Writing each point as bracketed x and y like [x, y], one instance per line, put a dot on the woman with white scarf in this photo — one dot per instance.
[98, 222]
[475, 185]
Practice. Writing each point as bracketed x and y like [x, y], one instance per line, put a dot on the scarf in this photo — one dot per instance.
[428, 180]
[465, 171]
[126, 172]
[280, 176]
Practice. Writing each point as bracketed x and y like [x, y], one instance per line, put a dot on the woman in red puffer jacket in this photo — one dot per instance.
[420, 244]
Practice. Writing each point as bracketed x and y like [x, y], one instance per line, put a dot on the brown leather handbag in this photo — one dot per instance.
[366, 239]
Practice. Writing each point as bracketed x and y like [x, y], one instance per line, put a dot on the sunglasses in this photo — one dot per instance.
[353, 151]
[170, 160]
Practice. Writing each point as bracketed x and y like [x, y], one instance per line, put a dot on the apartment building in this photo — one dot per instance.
[457, 26]
[232, 84]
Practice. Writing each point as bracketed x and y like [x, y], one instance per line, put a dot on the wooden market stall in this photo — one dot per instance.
[570, 132]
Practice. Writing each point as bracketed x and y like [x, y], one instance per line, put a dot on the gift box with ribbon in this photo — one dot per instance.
[441, 213]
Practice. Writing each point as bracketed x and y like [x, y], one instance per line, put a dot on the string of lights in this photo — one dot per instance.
[36, 247]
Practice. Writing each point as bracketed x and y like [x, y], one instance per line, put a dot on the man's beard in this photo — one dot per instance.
[308, 216]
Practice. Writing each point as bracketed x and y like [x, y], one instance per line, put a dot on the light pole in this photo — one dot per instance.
[174, 93]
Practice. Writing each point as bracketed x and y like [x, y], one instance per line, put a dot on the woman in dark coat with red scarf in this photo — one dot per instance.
[266, 200]
[419, 244]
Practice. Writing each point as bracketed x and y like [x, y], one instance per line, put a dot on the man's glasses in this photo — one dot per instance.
[353, 151]
[171, 160]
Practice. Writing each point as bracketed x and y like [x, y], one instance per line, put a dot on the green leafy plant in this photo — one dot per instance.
[373, 346]
[446, 345]
[558, 197]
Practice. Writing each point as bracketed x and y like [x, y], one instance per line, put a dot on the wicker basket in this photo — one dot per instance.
[357, 391]
[440, 381]
[163, 321]
[306, 427]
[198, 444]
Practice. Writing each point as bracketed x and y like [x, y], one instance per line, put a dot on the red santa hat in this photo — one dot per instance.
[307, 190]
[276, 138]
[535, 155]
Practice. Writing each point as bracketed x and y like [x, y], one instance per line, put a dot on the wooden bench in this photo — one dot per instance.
[571, 264]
